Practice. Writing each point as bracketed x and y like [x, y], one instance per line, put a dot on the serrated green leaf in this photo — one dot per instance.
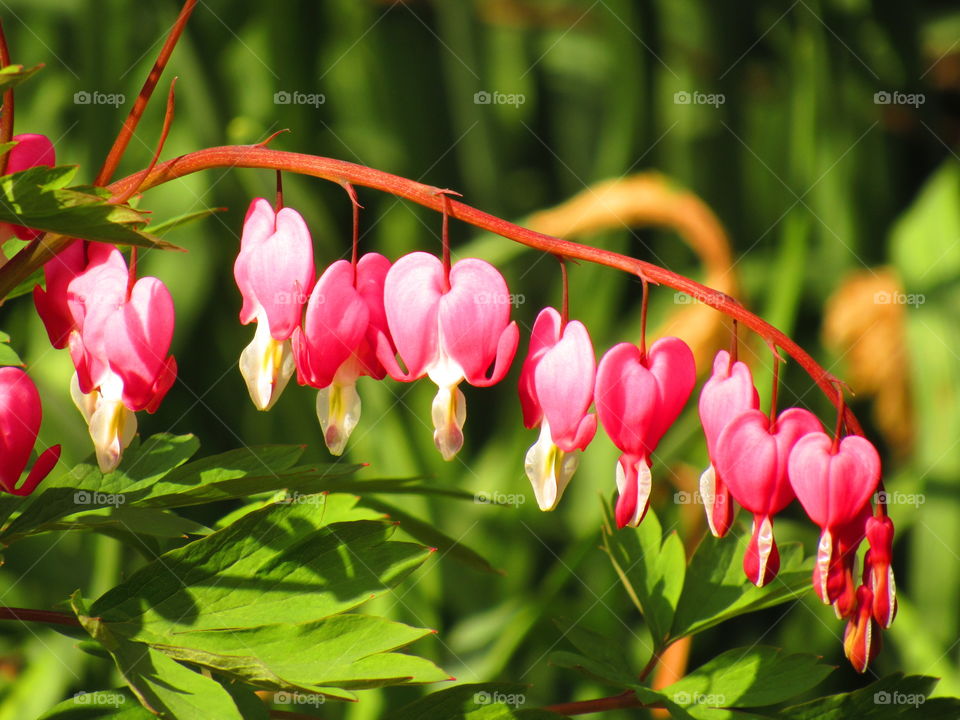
[651, 568]
[890, 698]
[750, 677]
[125, 521]
[345, 651]
[13, 75]
[39, 198]
[298, 561]
[162, 685]
[716, 588]
[474, 702]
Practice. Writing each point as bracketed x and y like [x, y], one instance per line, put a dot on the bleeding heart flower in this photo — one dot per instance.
[450, 330]
[638, 397]
[751, 457]
[336, 344]
[878, 569]
[861, 639]
[728, 393]
[20, 416]
[32, 150]
[274, 271]
[53, 304]
[833, 486]
[556, 390]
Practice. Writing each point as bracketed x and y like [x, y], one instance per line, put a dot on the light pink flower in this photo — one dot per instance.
[556, 390]
[638, 398]
[274, 271]
[728, 393]
[448, 332]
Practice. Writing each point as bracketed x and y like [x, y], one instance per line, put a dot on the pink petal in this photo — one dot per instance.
[51, 303]
[475, 321]
[335, 325]
[411, 299]
[31, 150]
[671, 362]
[727, 393]
[20, 415]
[626, 395]
[761, 561]
[564, 381]
[372, 269]
[545, 334]
[258, 225]
[833, 488]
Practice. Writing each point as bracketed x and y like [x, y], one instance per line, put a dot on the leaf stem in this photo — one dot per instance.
[45, 616]
[622, 701]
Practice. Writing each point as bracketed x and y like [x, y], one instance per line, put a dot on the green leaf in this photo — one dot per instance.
[427, 533]
[716, 588]
[750, 677]
[650, 567]
[600, 657]
[889, 698]
[298, 561]
[168, 225]
[39, 198]
[119, 704]
[162, 685]
[86, 488]
[474, 702]
[13, 75]
[345, 651]
[127, 521]
[8, 356]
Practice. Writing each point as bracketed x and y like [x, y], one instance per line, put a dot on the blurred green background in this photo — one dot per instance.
[814, 177]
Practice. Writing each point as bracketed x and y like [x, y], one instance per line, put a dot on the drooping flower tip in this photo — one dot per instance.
[20, 417]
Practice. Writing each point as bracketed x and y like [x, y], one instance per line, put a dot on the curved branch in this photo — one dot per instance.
[341, 172]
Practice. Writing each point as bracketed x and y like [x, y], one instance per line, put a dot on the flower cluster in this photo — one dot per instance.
[764, 463]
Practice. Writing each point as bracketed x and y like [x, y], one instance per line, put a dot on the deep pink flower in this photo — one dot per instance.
[20, 416]
[274, 271]
[32, 150]
[878, 569]
[52, 303]
[728, 393]
[450, 332]
[751, 457]
[833, 488]
[637, 399]
[556, 390]
[337, 342]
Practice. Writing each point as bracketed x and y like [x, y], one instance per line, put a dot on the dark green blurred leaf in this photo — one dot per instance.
[890, 698]
[8, 356]
[119, 704]
[474, 702]
[167, 225]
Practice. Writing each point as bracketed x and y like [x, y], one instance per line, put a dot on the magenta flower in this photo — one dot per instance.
[833, 485]
[728, 393]
[338, 339]
[20, 416]
[878, 571]
[638, 397]
[449, 330]
[556, 390]
[274, 271]
[52, 304]
[751, 457]
[32, 150]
